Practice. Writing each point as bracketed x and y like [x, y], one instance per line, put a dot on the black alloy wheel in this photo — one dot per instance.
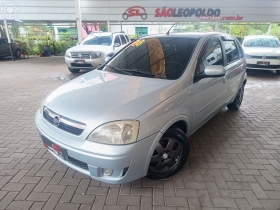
[238, 99]
[170, 154]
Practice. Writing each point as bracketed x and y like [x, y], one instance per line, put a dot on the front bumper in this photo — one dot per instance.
[128, 162]
[252, 64]
[89, 63]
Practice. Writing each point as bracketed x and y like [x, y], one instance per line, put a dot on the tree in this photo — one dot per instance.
[2, 31]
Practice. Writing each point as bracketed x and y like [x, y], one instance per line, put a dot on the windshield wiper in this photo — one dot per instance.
[117, 69]
[144, 73]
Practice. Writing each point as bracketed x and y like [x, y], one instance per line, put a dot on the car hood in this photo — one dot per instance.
[268, 51]
[81, 48]
[99, 97]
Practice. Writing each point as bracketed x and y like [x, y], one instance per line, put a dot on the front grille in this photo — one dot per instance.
[266, 57]
[81, 65]
[272, 67]
[80, 55]
[48, 115]
[78, 163]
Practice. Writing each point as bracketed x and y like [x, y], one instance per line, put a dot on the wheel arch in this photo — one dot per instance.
[180, 121]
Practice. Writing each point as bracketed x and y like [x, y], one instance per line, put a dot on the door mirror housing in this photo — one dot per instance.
[109, 56]
[214, 71]
[117, 45]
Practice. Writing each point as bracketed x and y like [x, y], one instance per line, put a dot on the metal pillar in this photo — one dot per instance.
[269, 29]
[9, 40]
[216, 26]
[79, 20]
[108, 26]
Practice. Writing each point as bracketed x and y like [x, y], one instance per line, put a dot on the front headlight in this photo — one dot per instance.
[68, 54]
[42, 107]
[118, 132]
[248, 56]
[95, 55]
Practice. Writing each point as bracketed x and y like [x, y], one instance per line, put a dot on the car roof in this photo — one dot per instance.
[192, 34]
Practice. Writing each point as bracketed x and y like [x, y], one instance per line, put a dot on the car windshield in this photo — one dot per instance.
[261, 42]
[161, 57]
[98, 40]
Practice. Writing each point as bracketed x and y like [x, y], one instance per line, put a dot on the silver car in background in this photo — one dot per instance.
[132, 117]
[94, 49]
[262, 52]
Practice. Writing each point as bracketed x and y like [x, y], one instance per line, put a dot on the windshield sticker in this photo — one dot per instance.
[138, 43]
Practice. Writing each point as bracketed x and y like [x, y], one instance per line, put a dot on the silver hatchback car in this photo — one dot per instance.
[132, 116]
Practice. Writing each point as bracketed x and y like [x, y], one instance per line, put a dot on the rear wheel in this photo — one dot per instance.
[74, 70]
[170, 154]
[238, 100]
[17, 53]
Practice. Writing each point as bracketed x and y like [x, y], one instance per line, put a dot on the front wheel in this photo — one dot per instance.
[170, 154]
[74, 70]
[238, 100]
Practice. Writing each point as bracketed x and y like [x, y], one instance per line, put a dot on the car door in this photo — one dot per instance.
[235, 64]
[117, 41]
[209, 93]
[4, 47]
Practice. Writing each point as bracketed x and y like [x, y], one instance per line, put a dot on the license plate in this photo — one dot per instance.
[263, 63]
[58, 150]
[80, 61]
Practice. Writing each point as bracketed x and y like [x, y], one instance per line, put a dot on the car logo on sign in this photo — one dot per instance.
[135, 11]
[264, 57]
[80, 55]
[56, 120]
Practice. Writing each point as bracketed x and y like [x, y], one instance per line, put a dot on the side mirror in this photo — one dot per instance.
[214, 71]
[117, 45]
[78, 43]
[109, 56]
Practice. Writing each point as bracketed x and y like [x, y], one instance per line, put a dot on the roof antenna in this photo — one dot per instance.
[170, 28]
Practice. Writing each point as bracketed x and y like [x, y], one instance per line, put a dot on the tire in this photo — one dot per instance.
[125, 16]
[17, 53]
[238, 100]
[163, 163]
[74, 70]
[144, 16]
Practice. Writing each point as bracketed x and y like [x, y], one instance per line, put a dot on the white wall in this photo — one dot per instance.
[130, 29]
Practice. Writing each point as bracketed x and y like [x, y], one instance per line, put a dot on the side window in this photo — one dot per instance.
[123, 39]
[117, 40]
[126, 38]
[211, 54]
[232, 51]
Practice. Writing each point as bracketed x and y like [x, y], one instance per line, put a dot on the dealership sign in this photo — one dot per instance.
[186, 12]
[206, 14]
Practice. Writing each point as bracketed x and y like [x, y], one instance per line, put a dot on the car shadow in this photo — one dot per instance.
[262, 73]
